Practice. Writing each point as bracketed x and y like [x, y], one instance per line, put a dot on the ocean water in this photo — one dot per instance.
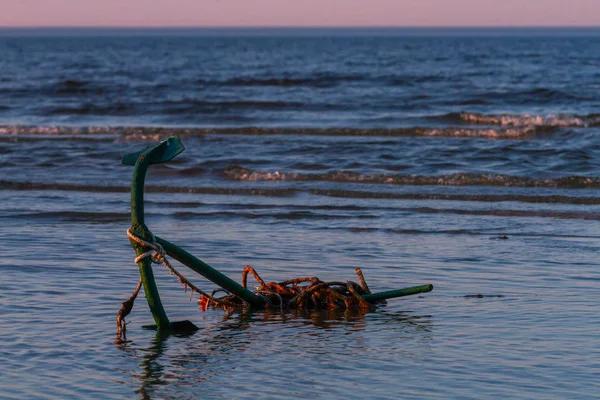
[468, 159]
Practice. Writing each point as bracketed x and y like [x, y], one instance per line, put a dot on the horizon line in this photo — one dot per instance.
[297, 26]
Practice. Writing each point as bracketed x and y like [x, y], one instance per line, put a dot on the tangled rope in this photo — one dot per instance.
[126, 308]
[157, 255]
[304, 293]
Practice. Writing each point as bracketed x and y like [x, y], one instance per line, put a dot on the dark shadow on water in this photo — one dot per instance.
[196, 357]
[316, 318]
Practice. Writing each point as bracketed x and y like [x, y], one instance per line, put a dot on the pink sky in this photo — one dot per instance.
[299, 12]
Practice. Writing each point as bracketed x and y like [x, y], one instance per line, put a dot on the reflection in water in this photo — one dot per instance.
[318, 318]
[152, 370]
[292, 339]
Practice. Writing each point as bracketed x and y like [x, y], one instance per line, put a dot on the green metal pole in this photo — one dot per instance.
[141, 160]
[139, 229]
[210, 273]
[390, 294]
[256, 301]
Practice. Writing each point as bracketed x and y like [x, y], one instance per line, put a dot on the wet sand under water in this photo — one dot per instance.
[532, 333]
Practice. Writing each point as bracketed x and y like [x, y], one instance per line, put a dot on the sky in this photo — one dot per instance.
[248, 13]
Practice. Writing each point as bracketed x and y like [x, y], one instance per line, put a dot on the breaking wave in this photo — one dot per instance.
[156, 133]
[526, 120]
[569, 182]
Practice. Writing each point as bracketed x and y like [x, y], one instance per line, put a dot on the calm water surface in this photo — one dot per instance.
[468, 160]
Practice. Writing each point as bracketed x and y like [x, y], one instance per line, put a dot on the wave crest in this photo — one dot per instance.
[157, 133]
[527, 120]
[569, 182]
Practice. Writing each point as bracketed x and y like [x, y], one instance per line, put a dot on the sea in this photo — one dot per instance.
[464, 158]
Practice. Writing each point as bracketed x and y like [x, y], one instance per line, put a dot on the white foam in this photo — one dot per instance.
[559, 120]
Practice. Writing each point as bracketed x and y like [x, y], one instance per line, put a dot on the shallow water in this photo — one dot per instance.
[506, 230]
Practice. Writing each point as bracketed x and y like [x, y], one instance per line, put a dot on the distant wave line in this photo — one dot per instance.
[290, 192]
[133, 133]
[569, 182]
[468, 232]
[529, 120]
[303, 214]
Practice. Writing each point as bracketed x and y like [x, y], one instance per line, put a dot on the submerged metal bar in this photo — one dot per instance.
[232, 286]
[210, 273]
[390, 294]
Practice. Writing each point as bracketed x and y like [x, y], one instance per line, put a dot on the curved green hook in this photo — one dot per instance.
[162, 152]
